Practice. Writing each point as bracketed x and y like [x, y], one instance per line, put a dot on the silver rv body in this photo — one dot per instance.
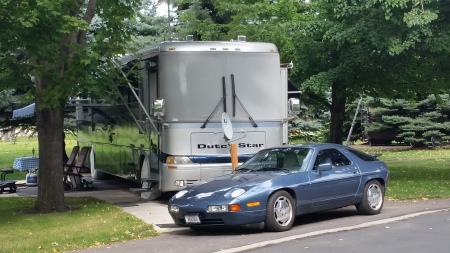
[165, 131]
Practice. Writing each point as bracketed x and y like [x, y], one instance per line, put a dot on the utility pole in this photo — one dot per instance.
[169, 28]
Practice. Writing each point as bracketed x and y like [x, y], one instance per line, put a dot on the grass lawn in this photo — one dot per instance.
[91, 223]
[417, 174]
[414, 174]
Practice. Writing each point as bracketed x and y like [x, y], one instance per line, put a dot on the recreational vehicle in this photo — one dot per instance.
[165, 130]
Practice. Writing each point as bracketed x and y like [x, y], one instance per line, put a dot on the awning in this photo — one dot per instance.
[26, 111]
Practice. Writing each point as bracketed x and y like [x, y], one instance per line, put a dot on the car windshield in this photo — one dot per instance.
[279, 159]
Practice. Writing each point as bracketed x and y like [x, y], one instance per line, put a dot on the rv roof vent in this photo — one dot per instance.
[241, 38]
[190, 38]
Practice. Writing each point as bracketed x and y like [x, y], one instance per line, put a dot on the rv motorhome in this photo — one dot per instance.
[165, 130]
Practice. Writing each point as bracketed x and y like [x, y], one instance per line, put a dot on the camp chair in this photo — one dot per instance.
[75, 175]
[68, 167]
[82, 155]
[10, 184]
[73, 154]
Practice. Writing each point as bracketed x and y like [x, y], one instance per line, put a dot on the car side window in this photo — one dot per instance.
[363, 156]
[339, 159]
[336, 157]
[322, 157]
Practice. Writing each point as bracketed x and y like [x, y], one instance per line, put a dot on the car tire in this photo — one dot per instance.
[373, 198]
[280, 214]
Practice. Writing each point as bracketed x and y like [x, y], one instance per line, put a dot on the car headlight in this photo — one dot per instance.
[178, 160]
[179, 194]
[223, 208]
[217, 208]
[174, 209]
[235, 193]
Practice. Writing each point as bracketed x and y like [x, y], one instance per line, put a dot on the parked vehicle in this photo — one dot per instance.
[164, 130]
[277, 184]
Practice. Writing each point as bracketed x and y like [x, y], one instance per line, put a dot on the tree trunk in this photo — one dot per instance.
[49, 123]
[337, 114]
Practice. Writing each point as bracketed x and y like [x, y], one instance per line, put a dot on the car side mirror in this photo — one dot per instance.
[325, 166]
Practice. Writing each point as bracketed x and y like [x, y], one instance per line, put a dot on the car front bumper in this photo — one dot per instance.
[245, 216]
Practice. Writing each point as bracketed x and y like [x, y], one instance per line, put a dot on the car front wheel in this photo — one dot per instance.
[373, 198]
[280, 212]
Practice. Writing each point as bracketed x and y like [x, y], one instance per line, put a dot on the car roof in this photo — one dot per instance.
[310, 145]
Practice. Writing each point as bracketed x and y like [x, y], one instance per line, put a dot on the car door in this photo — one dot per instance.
[337, 185]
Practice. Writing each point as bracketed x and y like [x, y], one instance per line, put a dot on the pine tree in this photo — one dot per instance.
[420, 123]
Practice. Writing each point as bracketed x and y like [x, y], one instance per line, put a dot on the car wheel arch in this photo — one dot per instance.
[290, 191]
[369, 179]
[286, 189]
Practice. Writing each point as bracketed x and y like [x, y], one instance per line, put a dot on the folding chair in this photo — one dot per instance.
[82, 155]
[73, 154]
[67, 167]
[75, 175]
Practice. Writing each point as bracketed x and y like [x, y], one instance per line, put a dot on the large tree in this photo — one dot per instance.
[48, 48]
[380, 48]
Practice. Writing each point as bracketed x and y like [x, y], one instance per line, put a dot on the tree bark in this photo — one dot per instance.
[50, 121]
[337, 113]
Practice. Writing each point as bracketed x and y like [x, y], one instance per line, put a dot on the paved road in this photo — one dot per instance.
[242, 240]
[425, 233]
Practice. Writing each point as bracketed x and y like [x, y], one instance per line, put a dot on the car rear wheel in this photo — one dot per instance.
[280, 212]
[373, 198]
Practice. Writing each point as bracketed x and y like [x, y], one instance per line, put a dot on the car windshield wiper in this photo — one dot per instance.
[245, 169]
[274, 169]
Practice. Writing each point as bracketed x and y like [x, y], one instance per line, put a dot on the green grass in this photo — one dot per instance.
[91, 223]
[415, 174]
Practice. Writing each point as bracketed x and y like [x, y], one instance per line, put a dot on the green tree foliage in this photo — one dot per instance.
[419, 123]
[149, 28]
[373, 48]
[259, 20]
[44, 50]
[351, 48]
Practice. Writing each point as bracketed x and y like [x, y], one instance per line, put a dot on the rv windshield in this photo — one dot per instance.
[193, 84]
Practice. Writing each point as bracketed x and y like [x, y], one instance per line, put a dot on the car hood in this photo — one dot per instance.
[217, 187]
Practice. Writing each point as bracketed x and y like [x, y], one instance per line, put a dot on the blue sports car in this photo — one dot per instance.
[279, 183]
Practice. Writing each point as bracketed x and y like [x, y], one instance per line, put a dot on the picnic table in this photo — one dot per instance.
[30, 164]
[27, 163]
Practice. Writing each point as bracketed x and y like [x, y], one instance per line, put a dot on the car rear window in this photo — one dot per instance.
[363, 156]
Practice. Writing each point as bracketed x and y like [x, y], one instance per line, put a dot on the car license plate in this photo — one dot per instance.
[192, 218]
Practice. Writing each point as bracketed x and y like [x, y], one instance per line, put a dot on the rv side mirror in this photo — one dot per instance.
[294, 106]
[158, 107]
